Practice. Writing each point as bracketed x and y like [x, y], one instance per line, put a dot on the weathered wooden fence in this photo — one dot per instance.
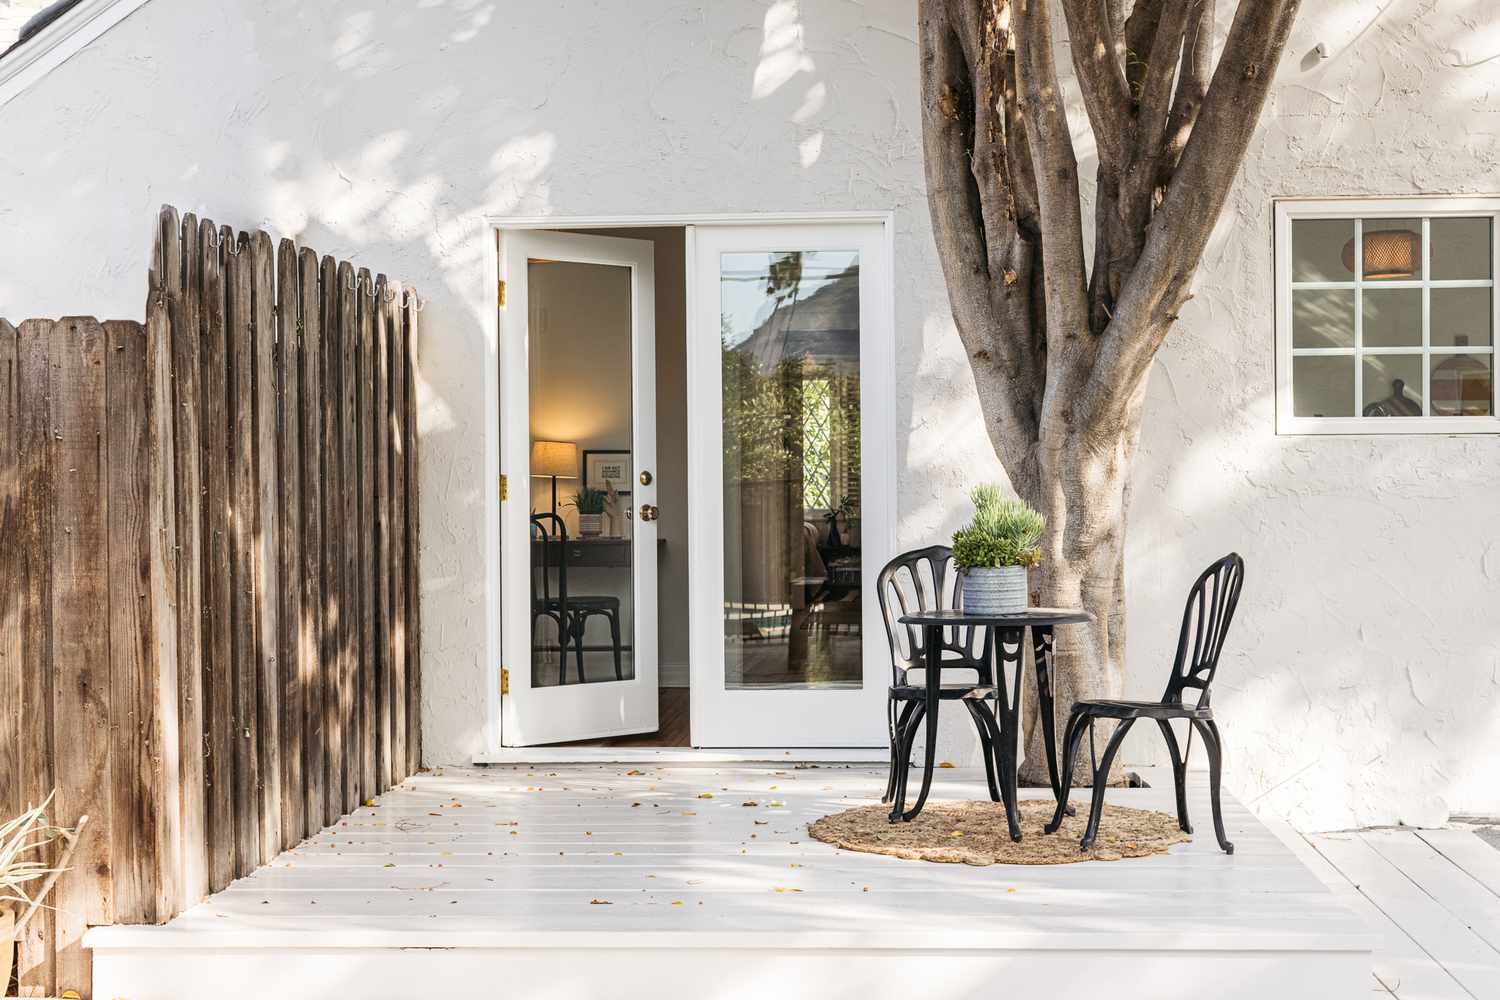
[209, 624]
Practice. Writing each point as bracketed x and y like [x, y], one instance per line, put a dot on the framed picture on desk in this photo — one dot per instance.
[602, 467]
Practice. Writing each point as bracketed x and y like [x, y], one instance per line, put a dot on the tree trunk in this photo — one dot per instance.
[1085, 496]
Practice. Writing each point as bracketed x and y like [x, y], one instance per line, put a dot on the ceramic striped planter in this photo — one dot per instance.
[995, 590]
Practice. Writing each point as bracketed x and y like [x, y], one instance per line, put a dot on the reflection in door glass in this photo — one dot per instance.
[582, 611]
[789, 327]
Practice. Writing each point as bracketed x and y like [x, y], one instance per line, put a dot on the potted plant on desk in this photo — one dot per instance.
[994, 550]
[589, 503]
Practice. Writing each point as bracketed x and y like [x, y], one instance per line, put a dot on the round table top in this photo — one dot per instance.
[1015, 619]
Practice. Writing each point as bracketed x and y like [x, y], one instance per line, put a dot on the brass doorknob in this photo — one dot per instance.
[649, 512]
[645, 478]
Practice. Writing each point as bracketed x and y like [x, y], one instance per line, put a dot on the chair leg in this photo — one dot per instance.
[903, 768]
[1179, 774]
[927, 765]
[1071, 741]
[614, 633]
[986, 745]
[579, 626]
[1213, 743]
[1101, 779]
[898, 726]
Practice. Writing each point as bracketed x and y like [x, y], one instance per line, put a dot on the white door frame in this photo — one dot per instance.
[497, 324]
[541, 715]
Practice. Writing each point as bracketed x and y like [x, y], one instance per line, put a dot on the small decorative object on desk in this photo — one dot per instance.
[994, 550]
[611, 511]
[589, 503]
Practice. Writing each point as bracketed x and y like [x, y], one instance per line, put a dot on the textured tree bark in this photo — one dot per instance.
[1060, 350]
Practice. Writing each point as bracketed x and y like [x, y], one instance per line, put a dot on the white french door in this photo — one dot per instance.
[791, 465]
[578, 392]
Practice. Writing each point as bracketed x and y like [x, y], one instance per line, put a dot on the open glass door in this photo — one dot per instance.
[791, 459]
[578, 449]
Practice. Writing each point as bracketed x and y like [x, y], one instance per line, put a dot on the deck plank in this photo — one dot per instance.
[1468, 852]
[1427, 953]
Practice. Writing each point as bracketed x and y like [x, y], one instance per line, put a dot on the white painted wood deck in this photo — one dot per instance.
[591, 881]
[1434, 895]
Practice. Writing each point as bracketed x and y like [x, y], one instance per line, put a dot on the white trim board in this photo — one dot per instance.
[680, 755]
[58, 41]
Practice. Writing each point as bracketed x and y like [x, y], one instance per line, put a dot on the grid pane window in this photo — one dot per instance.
[1391, 317]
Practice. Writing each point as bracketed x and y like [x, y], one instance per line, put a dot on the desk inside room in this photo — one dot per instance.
[596, 551]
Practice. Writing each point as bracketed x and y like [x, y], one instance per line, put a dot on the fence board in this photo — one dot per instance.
[397, 579]
[81, 639]
[218, 660]
[310, 636]
[413, 547]
[161, 682]
[288, 496]
[333, 540]
[380, 565]
[265, 544]
[186, 457]
[368, 620]
[123, 420]
[349, 546]
[36, 966]
[238, 280]
[11, 570]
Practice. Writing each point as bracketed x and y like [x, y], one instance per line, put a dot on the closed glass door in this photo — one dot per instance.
[790, 335]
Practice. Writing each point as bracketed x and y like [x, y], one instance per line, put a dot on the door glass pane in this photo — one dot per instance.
[1323, 317]
[1392, 317]
[1460, 249]
[582, 607]
[789, 328]
[1323, 386]
[1393, 385]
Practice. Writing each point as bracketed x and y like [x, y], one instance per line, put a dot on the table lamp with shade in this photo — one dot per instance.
[555, 460]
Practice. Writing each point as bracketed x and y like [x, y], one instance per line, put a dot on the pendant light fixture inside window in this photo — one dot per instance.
[1388, 253]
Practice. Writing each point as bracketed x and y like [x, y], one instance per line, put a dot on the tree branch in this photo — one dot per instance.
[1199, 187]
[1192, 86]
[975, 227]
[1101, 78]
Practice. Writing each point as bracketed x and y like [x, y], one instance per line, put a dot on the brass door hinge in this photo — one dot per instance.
[504, 487]
[501, 291]
[504, 681]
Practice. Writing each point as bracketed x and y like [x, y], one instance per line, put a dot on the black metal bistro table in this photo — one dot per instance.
[1007, 650]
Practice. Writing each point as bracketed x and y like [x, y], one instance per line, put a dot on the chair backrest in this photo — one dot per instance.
[1205, 622]
[548, 529]
[925, 580]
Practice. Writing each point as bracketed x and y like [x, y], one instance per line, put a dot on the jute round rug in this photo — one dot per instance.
[975, 833]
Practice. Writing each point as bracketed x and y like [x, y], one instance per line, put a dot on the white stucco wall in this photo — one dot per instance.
[1361, 678]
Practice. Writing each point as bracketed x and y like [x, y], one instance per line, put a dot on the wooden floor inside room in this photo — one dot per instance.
[657, 882]
[674, 724]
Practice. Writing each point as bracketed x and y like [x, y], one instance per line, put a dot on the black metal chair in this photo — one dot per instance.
[925, 580]
[570, 613]
[1210, 608]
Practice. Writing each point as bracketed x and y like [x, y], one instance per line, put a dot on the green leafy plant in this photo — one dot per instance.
[1003, 532]
[588, 501]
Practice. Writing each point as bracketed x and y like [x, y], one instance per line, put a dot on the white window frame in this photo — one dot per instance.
[1426, 208]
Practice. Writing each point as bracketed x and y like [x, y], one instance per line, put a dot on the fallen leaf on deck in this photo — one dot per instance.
[676, 902]
[784, 888]
[600, 902]
[689, 812]
[750, 802]
[945, 763]
[633, 773]
[706, 795]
